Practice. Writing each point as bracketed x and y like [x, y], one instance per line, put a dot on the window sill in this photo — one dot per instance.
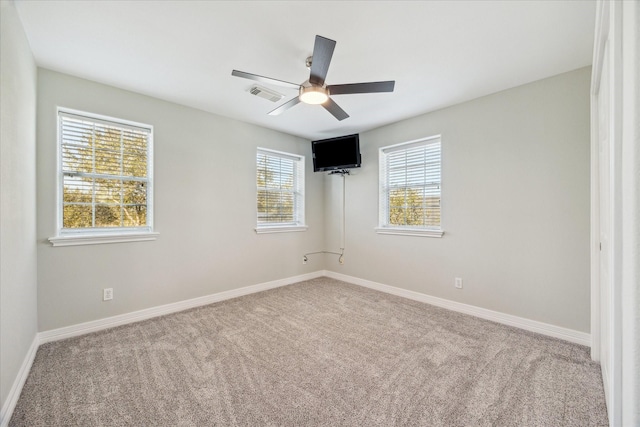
[409, 231]
[98, 239]
[280, 229]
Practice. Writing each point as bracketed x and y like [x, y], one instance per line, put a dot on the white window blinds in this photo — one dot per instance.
[106, 179]
[410, 184]
[280, 189]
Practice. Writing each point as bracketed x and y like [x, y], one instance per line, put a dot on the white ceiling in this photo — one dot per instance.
[439, 53]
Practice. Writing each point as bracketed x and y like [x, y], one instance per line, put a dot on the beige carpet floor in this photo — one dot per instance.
[316, 353]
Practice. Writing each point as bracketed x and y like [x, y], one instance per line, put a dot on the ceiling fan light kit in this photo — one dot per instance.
[313, 95]
[314, 91]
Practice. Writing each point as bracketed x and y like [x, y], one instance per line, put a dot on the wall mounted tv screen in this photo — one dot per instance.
[338, 153]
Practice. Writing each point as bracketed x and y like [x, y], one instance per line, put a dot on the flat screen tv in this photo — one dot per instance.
[338, 153]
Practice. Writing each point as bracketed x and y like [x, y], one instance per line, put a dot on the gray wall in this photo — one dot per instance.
[18, 268]
[205, 211]
[515, 205]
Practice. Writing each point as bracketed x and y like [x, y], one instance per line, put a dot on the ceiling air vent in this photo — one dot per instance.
[265, 93]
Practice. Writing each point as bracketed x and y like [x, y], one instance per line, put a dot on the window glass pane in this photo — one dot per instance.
[77, 190]
[77, 216]
[134, 164]
[135, 215]
[77, 158]
[108, 216]
[107, 190]
[397, 216]
[134, 192]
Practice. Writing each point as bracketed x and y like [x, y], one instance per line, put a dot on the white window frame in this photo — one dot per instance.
[298, 224]
[383, 212]
[92, 236]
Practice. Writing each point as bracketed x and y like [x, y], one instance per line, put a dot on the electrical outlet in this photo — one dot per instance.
[107, 294]
[458, 283]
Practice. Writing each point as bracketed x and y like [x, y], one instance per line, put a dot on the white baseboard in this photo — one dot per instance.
[148, 313]
[16, 388]
[570, 335]
[566, 334]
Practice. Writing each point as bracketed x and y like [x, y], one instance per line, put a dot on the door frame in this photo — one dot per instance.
[608, 31]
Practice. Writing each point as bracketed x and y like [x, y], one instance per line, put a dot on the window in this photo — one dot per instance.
[410, 188]
[280, 195]
[105, 180]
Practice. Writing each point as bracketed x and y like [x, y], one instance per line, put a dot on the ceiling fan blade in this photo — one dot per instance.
[371, 87]
[263, 79]
[335, 110]
[284, 107]
[321, 58]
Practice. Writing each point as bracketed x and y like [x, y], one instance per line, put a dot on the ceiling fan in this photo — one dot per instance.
[314, 90]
